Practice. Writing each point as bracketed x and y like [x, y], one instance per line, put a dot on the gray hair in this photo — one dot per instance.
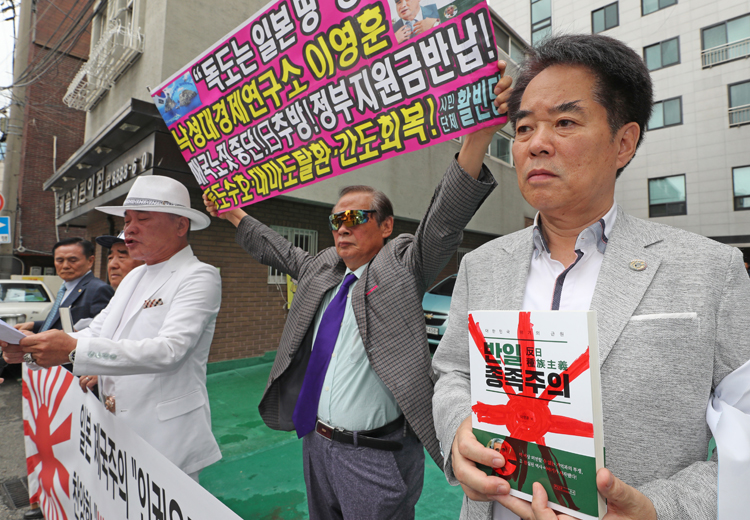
[381, 204]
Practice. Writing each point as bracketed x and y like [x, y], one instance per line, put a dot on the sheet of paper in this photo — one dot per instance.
[9, 334]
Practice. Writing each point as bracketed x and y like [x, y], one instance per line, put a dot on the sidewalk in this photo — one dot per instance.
[260, 476]
[12, 454]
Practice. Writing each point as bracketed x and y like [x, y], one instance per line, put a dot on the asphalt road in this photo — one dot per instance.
[12, 455]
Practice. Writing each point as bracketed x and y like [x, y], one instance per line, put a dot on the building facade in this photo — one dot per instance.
[136, 45]
[41, 131]
[693, 169]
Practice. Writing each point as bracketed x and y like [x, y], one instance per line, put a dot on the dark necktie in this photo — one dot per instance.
[54, 309]
[306, 410]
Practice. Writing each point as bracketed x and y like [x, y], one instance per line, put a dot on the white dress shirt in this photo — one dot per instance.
[71, 285]
[552, 286]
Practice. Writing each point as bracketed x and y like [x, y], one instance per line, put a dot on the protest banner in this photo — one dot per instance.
[292, 97]
[84, 463]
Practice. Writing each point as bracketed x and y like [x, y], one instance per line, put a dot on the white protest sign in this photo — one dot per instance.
[85, 463]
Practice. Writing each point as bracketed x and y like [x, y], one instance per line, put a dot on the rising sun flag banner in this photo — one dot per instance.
[86, 464]
[310, 89]
[536, 399]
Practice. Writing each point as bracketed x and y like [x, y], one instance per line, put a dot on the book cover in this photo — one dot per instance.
[536, 398]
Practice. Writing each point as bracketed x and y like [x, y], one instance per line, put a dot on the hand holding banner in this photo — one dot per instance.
[291, 97]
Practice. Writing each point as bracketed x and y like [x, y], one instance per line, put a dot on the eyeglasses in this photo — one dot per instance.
[349, 218]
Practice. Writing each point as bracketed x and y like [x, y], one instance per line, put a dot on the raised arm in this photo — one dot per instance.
[263, 243]
[464, 187]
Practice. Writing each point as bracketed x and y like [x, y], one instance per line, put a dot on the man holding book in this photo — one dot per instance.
[672, 306]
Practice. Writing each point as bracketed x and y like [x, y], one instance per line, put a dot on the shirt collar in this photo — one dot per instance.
[357, 272]
[596, 233]
[72, 284]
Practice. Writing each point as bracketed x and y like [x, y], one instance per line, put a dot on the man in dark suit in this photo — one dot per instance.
[358, 387]
[83, 293]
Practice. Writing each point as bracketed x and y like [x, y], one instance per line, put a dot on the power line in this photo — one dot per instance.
[54, 55]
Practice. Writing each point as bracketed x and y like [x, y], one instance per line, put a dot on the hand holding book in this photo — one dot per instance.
[623, 502]
[466, 452]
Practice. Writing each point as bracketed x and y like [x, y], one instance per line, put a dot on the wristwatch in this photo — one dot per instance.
[72, 356]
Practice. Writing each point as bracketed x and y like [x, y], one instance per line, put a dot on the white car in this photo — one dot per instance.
[24, 300]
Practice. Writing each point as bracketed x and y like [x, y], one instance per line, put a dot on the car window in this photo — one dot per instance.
[22, 292]
[444, 288]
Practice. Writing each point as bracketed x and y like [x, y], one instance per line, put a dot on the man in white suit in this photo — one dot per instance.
[150, 344]
[673, 307]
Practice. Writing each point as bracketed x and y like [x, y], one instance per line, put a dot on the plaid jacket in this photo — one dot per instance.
[387, 303]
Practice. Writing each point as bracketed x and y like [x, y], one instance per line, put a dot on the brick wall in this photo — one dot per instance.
[46, 117]
[55, 18]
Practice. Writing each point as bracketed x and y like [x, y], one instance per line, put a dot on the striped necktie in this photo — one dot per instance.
[53, 311]
[306, 410]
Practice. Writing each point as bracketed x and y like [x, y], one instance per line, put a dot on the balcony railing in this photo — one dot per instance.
[724, 53]
[739, 115]
[116, 50]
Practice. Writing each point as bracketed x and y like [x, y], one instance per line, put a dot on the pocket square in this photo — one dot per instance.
[152, 303]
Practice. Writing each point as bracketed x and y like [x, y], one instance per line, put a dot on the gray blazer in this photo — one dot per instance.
[668, 335]
[387, 303]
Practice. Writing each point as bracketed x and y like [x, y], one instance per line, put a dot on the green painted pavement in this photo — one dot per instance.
[260, 474]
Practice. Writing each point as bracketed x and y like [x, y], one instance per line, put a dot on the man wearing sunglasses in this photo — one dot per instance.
[352, 374]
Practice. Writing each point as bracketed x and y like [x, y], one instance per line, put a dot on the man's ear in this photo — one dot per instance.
[628, 139]
[386, 227]
[183, 227]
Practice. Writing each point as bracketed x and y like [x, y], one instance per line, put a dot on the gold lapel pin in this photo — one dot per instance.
[638, 265]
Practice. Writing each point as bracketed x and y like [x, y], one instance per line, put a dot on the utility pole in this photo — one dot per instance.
[15, 135]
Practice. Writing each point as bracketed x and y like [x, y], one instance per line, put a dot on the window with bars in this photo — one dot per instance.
[662, 54]
[739, 103]
[305, 239]
[726, 41]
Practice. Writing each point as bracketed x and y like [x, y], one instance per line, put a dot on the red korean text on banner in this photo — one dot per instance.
[85, 463]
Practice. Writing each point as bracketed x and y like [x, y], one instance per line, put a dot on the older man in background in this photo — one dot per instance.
[81, 291]
[119, 261]
[352, 374]
[119, 264]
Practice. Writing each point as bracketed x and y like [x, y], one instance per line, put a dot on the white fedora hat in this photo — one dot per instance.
[161, 194]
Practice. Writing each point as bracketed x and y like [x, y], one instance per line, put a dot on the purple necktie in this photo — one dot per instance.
[306, 409]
